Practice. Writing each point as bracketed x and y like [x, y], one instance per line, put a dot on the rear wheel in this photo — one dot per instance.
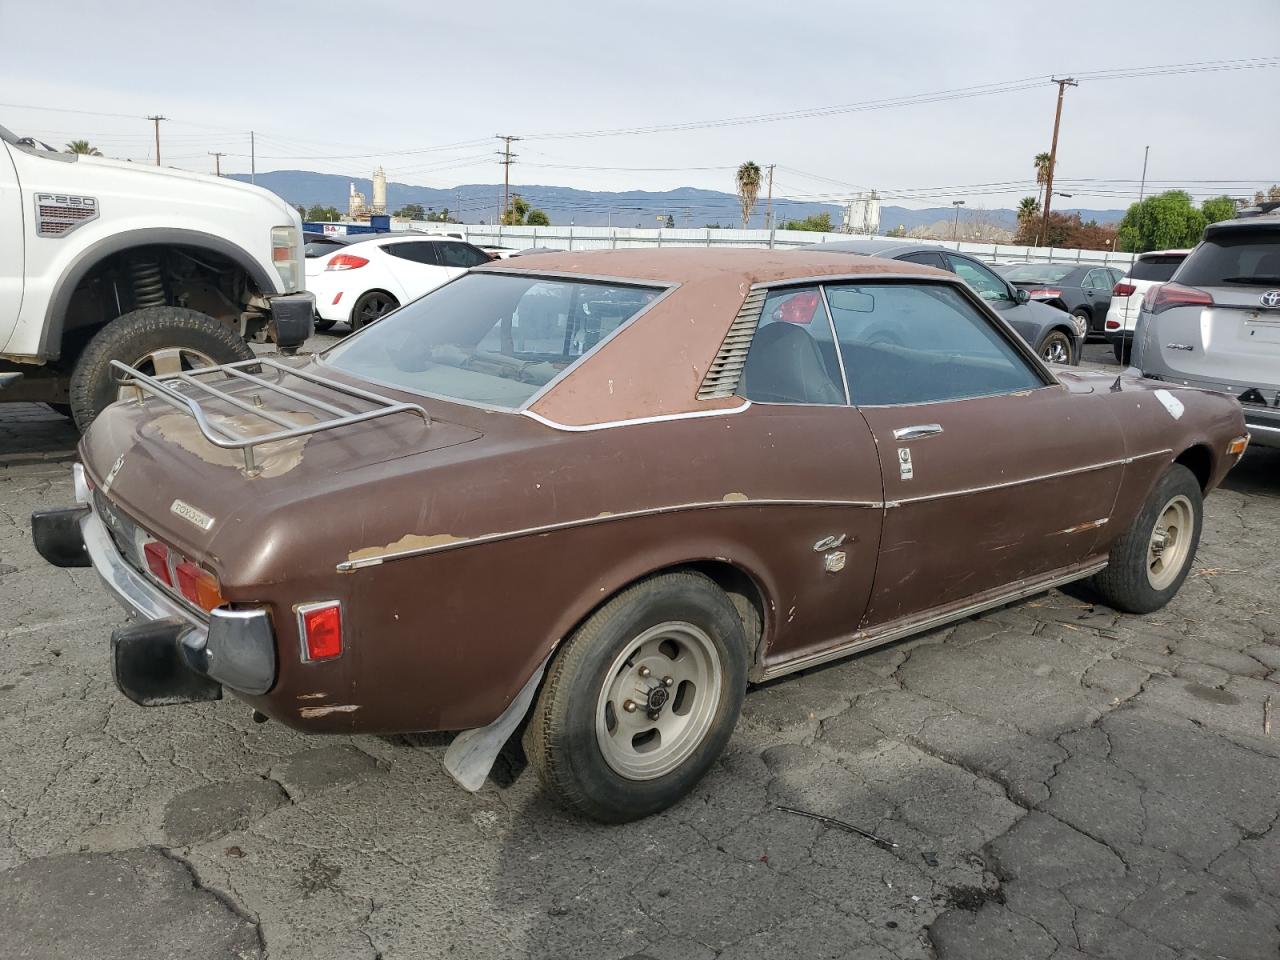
[371, 306]
[641, 700]
[1057, 348]
[154, 340]
[1123, 350]
[1080, 317]
[1149, 563]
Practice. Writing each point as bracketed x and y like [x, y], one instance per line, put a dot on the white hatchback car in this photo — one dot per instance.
[1146, 270]
[361, 281]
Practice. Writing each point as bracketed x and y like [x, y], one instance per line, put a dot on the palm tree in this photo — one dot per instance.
[1042, 170]
[748, 189]
[1028, 209]
[82, 146]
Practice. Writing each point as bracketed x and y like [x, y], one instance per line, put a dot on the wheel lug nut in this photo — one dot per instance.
[668, 681]
[644, 672]
[629, 706]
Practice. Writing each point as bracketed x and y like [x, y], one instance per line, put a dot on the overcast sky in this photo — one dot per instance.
[323, 82]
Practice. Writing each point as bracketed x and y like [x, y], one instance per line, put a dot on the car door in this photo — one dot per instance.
[819, 466]
[994, 472]
[1097, 284]
[415, 266]
[11, 245]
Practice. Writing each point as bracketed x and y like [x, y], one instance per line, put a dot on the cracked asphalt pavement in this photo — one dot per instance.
[1061, 782]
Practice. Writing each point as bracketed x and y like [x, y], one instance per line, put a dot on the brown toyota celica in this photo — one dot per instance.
[597, 494]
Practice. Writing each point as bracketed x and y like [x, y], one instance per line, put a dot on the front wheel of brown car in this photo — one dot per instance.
[641, 700]
[1149, 563]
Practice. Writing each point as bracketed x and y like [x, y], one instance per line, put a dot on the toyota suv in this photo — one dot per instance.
[1216, 324]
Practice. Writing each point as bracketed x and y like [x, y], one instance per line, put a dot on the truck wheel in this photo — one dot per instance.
[641, 700]
[155, 340]
[1148, 564]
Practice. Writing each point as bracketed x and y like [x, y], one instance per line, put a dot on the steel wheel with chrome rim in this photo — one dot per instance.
[1150, 561]
[169, 360]
[1056, 348]
[640, 701]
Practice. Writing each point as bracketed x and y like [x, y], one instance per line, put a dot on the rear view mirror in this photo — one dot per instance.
[1021, 295]
[850, 299]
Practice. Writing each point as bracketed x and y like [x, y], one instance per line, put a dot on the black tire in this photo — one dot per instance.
[1126, 584]
[1080, 313]
[1054, 341]
[136, 335]
[371, 306]
[322, 325]
[560, 740]
[1123, 349]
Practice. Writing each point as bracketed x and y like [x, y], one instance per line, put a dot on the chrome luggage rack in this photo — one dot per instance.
[219, 435]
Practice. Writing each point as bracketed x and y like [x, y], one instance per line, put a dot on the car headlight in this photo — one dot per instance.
[286, 256]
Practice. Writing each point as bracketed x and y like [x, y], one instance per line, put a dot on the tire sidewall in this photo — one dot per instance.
[1178, 480]
[610, 796]
[356, 322]
[1056, 335]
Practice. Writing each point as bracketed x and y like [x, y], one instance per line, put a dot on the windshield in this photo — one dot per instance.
[1158, 269]
[1246, 257]
[489, 338]
[1038, 273]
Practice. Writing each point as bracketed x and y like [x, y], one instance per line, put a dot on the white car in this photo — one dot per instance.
[1147, 270]
[361, 281]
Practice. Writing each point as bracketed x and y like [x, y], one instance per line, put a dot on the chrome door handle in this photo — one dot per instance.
[917, 432]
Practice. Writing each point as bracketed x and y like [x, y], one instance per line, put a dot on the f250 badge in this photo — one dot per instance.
[57, 214]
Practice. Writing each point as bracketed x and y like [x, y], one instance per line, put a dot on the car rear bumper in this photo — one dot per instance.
[169, 655]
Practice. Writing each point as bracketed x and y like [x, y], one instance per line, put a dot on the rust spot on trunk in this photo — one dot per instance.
[410, 541]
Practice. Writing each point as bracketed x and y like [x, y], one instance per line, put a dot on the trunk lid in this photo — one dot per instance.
[1235, 341]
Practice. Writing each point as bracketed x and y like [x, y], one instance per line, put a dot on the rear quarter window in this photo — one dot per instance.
[1155, 269]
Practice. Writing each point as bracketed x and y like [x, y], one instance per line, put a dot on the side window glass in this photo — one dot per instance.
[927, 258]
[792, 358]
[461, 255]
[921, 343]
[988, 285]
[416, 252]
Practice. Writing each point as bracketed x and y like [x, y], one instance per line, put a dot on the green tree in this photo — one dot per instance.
[411, 211]
[748, 182]
[817, 222]
[321, 214]
[83, 147]
[1164, 221]
[537, 218]
[1041, 162]
[1272, 194]
[302, 211]
[671, 222]
[899, 231]
[1218, 208]
[517, 210]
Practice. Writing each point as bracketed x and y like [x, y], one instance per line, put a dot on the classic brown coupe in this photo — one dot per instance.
[598, 494]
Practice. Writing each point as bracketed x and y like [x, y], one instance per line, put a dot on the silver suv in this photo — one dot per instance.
[1216, 324]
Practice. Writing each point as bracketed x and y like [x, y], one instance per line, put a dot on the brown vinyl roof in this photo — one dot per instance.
[653, 366]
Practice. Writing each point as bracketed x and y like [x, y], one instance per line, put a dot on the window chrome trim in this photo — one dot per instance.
[635, 421]
[347, 566]
[835, 338]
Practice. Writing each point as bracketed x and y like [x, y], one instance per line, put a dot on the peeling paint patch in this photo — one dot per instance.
[734, 498]
[603, 514]
[410, 541]
[1081, 527]
[312, 696]
[308, 712]
[1171, 403]
[273, 459]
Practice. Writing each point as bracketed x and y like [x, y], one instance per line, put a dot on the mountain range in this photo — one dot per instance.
[688, 206]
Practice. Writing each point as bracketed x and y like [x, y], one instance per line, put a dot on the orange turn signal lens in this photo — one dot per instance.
[198, 585]
[1238, 446]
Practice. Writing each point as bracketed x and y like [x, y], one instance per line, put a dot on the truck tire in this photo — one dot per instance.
[172, 338]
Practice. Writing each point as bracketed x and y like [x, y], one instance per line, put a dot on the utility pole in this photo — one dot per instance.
[1053, 154]
[1146, 151]
[768, 208]
[507, 157]
[955, 227]
[217, 161]
[156, 118]
[253, 159]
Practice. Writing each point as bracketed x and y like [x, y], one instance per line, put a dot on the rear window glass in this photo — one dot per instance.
[1038, 273]
[1241, 257]
[1156, 269]
[489, 338]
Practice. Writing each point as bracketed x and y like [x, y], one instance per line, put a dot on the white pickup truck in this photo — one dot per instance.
[164, 270]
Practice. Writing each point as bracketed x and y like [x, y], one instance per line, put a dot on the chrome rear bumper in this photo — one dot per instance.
[171, 655]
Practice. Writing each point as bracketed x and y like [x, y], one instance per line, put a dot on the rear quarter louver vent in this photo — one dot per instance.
[726, 369]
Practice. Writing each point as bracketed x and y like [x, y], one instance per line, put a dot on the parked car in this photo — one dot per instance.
[1126, 296]
[595, 494]
[1048, 329]
[367, 278]
[1083, 291]
[1216, 324]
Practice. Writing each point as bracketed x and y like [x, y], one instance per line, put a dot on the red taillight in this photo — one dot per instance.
[1166, 295]
[345, 261]
[157, 555]
[798, 308]
[1123, 289]
[1046, 293]
[198, 585]
[321, 625]
[1113, 324]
